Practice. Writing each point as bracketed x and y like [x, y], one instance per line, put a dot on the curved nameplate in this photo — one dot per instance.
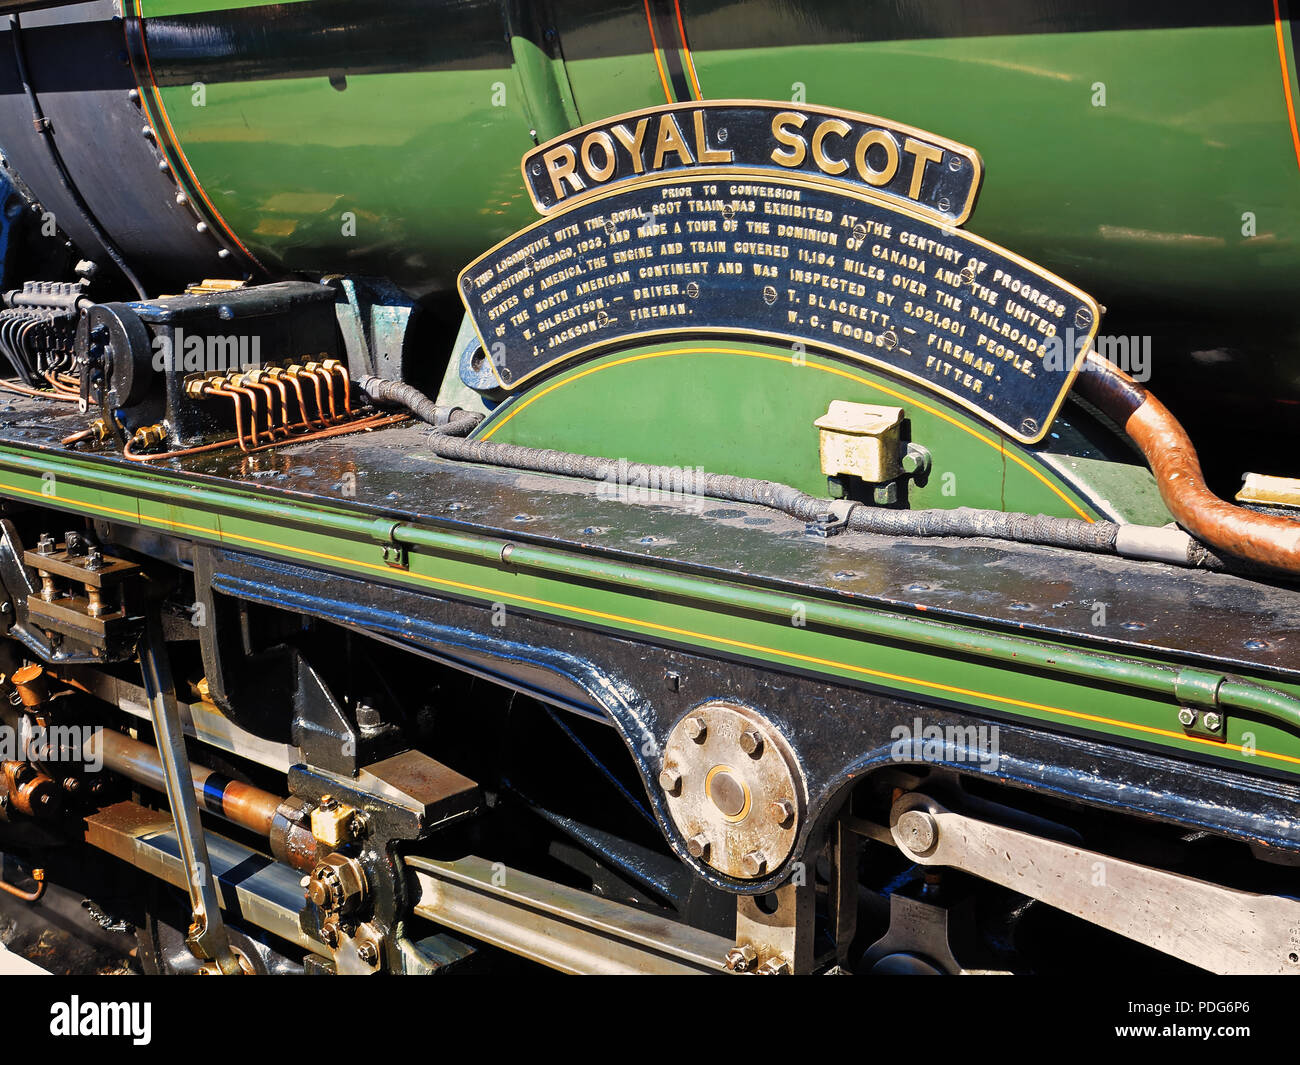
[932, 175]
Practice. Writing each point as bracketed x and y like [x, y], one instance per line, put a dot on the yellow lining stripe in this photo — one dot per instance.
[654, 48]
[497, 595]
[686, 51]
[997, 445]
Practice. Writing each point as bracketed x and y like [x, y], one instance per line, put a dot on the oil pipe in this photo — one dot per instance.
[1265, 539]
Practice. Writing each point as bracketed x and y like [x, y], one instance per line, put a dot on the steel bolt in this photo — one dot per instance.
[696, 728]
[751, 742]
[670, 779]
[698, 846]
[754, 863]
[918, 831]
[367, 953]
[740, 958]
[1187, 717]
[1212, 722]
[781, 811]
[775, 966]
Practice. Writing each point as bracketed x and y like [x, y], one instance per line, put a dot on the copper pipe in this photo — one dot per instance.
[296, 382]
[27, 896]
[23, 390]
[274, 378]
[334, 366]
[1261, 538]
[216, 389]
[327, 376]
[252, 402]
[320, 398]
[270, 405]
[378, 421]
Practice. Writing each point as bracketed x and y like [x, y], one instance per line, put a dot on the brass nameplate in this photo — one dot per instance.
[791, 260]
[934, 176]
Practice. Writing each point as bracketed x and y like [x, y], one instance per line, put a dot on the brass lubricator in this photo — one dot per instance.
[271, 402]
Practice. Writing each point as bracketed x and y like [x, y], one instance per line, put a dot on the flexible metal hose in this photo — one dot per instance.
[1103, 537]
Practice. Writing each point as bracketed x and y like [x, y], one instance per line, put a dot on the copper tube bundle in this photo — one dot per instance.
[272, 403]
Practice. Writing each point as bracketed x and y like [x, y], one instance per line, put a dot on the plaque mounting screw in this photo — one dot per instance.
[954, 163]
[1083, 318]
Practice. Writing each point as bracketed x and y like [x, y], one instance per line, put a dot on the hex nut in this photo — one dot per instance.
[1187, 717]
[781, 811]
[754, 863]
[698, 846]
[696, 728]
[670, 779]
[751, 742]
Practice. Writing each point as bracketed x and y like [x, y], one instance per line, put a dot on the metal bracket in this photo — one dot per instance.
[1208, 724]
[395, 554]
[834, 521]
[1209, 926]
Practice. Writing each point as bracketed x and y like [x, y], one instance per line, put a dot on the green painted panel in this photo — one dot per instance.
[748, 409]
[1119, 198]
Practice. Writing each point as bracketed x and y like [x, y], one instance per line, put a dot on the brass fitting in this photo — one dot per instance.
[31, 685]
[149, 435]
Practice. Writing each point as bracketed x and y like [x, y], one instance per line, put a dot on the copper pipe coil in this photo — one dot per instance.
[1263, 538]
[327, 376]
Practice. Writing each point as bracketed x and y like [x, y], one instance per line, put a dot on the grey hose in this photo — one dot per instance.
[453, 424]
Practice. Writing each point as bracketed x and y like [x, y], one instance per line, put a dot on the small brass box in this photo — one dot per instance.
[331, 823]
[862, 440]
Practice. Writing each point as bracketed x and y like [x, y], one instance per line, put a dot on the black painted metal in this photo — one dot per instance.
[839, 732]
[80, 71]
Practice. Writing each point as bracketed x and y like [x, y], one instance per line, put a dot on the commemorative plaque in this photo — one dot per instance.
[654, 246]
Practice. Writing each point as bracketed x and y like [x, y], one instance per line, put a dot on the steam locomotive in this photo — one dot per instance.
[668, 487]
